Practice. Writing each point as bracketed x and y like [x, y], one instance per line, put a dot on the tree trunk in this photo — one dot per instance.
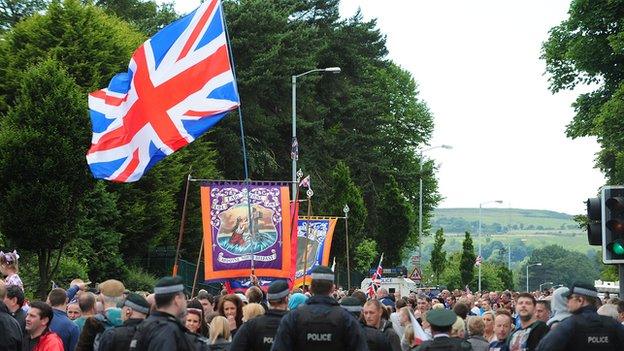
[44, 279]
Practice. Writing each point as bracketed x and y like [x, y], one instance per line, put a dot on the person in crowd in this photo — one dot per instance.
[231, 307]
[300, 329]
[585, 329]
[86, 303]
[542, 310]
[609, 310]
[60, 324]
[111, 294]
[134, 311]
[220, 337]
[73, 311]
[9, 268]
[296, 300]
[384, 297]
[199, 326]
[375, 339]
[258, 333]
[476, 327]
[252, 310]
[38, 336]
[162, 330]
[485, 305]
[458, 329]
[423, 304]
[620, 309]
[441, 321]
[10, 330]
[207, 301]
[559, 306]
[372, 315]
[255, 295]
[395, 317]
[14, 301]
[461, 310]
[488, 329]
[502, 327]
[531, 330]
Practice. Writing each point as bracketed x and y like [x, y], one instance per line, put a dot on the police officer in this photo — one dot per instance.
[162, 330]
[135, 309]
[375, 339]
[441, 321]
[320, 324]
[585, 329]
[258, 333]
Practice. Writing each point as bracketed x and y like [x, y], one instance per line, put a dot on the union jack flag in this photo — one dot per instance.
[178, 85]
[375, 280]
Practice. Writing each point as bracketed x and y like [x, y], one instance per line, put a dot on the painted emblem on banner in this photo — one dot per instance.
[238, 236]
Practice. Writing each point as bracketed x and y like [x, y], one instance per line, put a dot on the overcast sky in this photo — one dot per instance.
[478, 69]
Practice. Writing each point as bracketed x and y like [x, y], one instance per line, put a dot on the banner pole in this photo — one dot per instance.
[181, 233]
[305, 250]
[201, 249]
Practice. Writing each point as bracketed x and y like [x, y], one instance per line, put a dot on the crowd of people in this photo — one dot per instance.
[323, 317]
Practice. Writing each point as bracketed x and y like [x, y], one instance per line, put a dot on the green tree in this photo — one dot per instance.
[438, 255]
[13, 11]
[587, 48]
[42, 170]
[468, 258]
[146, 16]
[365, 253]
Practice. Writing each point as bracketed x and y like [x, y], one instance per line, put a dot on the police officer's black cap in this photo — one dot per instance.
[277, 290]
[441, 317]
[580, 288]
[169, 285]
[351, 304]
[137, 303]
[322, 273]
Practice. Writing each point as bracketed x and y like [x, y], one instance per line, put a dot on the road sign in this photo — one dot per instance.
[415, 259]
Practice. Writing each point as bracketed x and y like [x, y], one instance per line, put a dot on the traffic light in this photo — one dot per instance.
[612, 224]
[594, 221]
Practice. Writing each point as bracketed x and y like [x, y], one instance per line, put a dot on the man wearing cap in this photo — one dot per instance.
[441, 321]
[320, 324]
[111, 293]
[162, 330]
[375, 339]
[135, 309]
[585, 329]
[258, 333]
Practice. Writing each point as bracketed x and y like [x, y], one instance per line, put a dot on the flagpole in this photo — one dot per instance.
[305, 251]
[182, 220]
[201, 249]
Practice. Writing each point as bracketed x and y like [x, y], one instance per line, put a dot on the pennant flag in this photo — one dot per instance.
[419, 332]
[294, 150]
[179, 84]
[375, 280]
[305, 182]
[317, 244]
[232, 237]
[478, 261]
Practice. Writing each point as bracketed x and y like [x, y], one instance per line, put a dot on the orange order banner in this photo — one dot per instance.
[315, 236]
[231, 237]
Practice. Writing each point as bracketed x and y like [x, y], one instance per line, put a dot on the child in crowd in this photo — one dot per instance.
[8, 268]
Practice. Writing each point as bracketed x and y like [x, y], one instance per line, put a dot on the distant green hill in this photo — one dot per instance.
[500, 220]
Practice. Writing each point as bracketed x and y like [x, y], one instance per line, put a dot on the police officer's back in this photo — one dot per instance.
[441, 321]
[162, 330]
[258, 333]
[320, 324]
[135, 309]
[585, 329]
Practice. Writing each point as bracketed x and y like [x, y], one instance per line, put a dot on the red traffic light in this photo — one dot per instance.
[616, 226]
[615, 204]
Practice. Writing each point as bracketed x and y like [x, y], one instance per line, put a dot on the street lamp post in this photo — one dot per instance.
[346, 215]
[420, 203]
[527, 273]
[540, 286]
[294, 119]
[479, 234]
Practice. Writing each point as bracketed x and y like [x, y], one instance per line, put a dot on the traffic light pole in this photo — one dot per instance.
[621, 269]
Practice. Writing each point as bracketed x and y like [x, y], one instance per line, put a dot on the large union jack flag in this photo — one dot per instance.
[178, 85]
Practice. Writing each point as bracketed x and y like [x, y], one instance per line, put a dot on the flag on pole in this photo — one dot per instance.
[375, 280]
[333, 267]
[478, 260]
[179, 84]
[419, 332]
[305, 182]
[294, 150]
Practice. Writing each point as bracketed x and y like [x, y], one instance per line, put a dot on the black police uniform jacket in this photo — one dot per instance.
[118, 338]
[444, 343]
[10, 331]
[258, 333]
[161, 332]
[585, 330]
[320, 324]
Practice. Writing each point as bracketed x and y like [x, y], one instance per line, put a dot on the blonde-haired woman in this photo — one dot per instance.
[220, 338]
[251, 311]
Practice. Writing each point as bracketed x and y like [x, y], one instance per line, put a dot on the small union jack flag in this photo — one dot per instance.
[179, 84]
[305, 182]
[478, 260]
[375, 280]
